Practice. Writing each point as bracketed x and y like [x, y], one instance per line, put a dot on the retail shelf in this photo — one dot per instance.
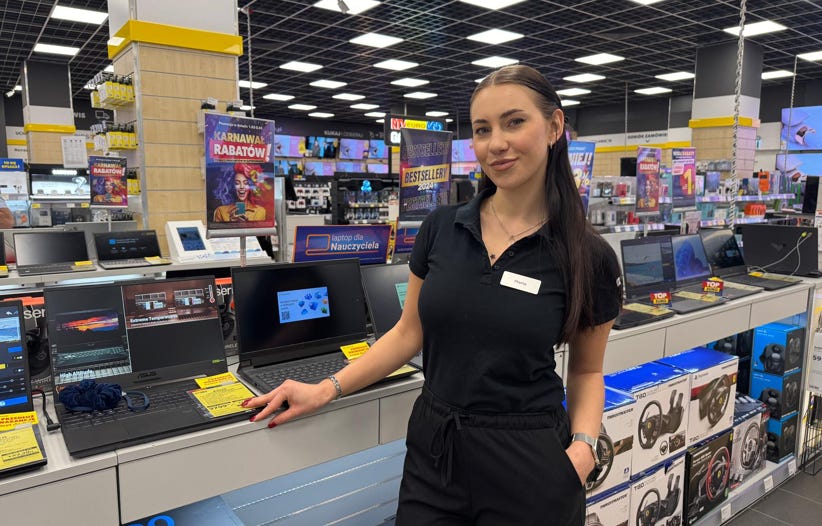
[739, 221]
[621, 201]
[367, 205]
[638, 227]
[726, 199]
[369, 222]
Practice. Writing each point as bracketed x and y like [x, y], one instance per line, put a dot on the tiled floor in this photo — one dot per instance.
[797, 502]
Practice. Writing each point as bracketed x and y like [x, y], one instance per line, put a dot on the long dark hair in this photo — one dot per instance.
[573, 238]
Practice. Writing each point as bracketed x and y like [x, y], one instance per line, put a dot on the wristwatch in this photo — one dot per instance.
[591, 441]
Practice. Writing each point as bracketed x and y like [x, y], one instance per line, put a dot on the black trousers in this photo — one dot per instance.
[467, 468]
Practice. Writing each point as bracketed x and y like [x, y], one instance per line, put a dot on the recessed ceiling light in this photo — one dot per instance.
[305, 67]
[757, 28]
[492, 4]
[495, 36]
[348, 96]
[436, 113]
[380, 121]
[449, 120]
[569, 102]
[495, 62]
[364, 106]
[79, 15]
[321, 115]
[409, 82]
[109, 68]
[573, 92]
[328, 84]
[10, 93]
[814, 56]
[352, 7]
[646, 2]
[246, 84]
[56, 50]
[420, 95]
[652, 91]
[246, 107]
[479, 80]
[583, 77]
[90, 85]
[18, 87]
[396, 65]
[375, 40]
[677, 75]
[278, 96]
[776, 74]
[600, 58]
[302, 107]
[375, 114]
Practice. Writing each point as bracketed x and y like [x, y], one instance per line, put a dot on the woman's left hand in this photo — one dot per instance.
[581, 458]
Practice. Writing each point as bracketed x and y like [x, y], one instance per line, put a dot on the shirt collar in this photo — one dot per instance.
[468, 215]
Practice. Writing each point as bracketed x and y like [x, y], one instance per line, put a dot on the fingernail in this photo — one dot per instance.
[272, 425]
[245, 402]
[252, 418]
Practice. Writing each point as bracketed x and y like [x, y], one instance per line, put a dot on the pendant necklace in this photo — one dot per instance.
[511, 237]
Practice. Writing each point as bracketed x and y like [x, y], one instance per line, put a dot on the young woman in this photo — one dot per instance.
[495, 285]
[240, 189]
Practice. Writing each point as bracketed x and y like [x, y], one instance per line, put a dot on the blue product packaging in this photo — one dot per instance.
[780, 393]
[778, 348]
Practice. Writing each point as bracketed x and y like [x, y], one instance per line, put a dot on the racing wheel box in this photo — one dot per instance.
[782, 435]
[708, 474]
[778, 348]
[609, 508]
[616, 442]
[656, 495]
[660, 413]
[779, 392]
[750, 438]
[712, 390]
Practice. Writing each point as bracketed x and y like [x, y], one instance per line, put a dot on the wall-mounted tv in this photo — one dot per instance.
[462, 151]
[465, 168]
[351, 167]
[52, 181]
[353, 149]
[318, 168]
[286, 167]
[802, 128]
[321, 147]
[377, 149]
[289, 146]
[377, 168]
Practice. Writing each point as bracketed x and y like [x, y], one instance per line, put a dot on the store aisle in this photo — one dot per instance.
[797, 502]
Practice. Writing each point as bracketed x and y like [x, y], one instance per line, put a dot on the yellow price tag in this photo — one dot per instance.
[18, 447]
[4, 268]
[647, 309]
[217, 379]
[83, 263]
[223, 399]
[755, 274]
[35, 205]
[402, 370]
[355, 350]
[709, 298]
[12, 420]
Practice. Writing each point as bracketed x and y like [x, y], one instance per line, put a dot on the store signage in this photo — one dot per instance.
[683, 177]
[396, 123]
[425, 172]
[109, 186]
[405, 239]
[581, 155]
[369, 243]
[647, 180]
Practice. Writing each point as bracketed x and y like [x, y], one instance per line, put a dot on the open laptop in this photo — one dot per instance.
[51, 253]
[135, 248]
[645, 273]
[15, 383]
[727, 262]
[781, 249]
[152, 338]
[692, 269]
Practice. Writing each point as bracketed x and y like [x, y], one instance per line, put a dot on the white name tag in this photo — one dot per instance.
[520, 282]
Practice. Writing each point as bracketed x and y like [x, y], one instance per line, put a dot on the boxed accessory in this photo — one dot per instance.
[615, 443]
[36, 338]
[781, 438]
[726, 345]
[656, 496]
[778, 348]
[610, 508]
[750, 437]
[660, 415]
[708, 472]
[779, 393]
[712, 390]
[225, 305]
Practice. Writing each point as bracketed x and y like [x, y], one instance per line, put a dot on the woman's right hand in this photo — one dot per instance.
[301, 398]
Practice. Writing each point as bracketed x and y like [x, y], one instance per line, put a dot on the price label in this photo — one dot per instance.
[768, 483]
[725, 513]
[792, 467]
[713, 286]
[815, 373]
[661, 298]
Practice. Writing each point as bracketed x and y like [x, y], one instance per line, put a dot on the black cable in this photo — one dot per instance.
[51, 425]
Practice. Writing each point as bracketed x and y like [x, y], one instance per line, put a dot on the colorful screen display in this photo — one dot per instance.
[377, 149]
[690, 260]
[462, 151]
[289, 146]
[190, 238]
[353, 149]
[303, 304]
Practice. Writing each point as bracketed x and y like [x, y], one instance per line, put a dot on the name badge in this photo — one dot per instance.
[520, 282]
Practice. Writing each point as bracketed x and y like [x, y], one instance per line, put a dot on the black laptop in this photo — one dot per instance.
[645, 272]
[135, 248]
[15, 384]
[693, 268]
[727, 262]
[152, 338]
[781, 249]
[51, 253]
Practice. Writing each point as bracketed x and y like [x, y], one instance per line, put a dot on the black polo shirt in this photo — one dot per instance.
[488, 347]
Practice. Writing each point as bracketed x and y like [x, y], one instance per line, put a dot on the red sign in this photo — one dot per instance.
[661, 298]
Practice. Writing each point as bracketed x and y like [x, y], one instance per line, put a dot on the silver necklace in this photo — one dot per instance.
[512, 237]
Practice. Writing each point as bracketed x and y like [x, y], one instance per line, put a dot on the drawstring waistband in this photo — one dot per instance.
[442, 446]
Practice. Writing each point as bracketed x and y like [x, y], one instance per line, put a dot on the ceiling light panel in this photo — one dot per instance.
[364, 106]
[599, 59]
[352, 7]
[495, 62]
[348, 96]
[569, 102]
[302, 107]
[495, 36]
[53, 49]
[328, 84]
[278, 96]
[646, 2]
[813, 57]
[584, 77]
[652, 91]
[420, 95]
[375, 40]
[573, 92]
[304, 67]
[321, 115]
[675, 76]
[436, 113]
[396, 65]
[776, 74]
[409, 82]
[256, 85]
[492, 4]
[378, 114]
[757, 28]
[79, 15]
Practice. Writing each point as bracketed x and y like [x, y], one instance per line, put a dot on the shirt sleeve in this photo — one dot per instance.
[607, 283]
[418, 262]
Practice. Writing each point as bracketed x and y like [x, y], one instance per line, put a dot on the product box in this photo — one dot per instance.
[36, 338]
[610, 508]
[225, 304]
[778, 347]
[743, 376]
[656, 496]
[779, 392]
[725, 345]
[750, 438]
[660, 414]
[781, 437]
[712, 390]
[708, 473]
[616, 442]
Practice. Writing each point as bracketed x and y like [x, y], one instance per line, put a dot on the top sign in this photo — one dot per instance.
[395, 124]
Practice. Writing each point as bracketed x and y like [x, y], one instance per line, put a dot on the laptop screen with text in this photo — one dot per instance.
[690, 261]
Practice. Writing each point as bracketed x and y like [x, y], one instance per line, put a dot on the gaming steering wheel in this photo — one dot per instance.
[751, 447]
[719, 469]
[605, 452]
[773, 358]
[592, 519]
[713, 399]
[648, 508]
[653, 423]
[772, 398]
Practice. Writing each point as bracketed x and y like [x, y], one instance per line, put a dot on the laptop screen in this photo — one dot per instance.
[385, 293]
[15, 388]
[134, 244]
[721, 248]
[690, 261]
[646, 264]
[134, 332]
[38, 248]
[307, 308]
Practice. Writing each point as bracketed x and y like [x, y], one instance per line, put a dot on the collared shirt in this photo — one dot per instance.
[490, 347]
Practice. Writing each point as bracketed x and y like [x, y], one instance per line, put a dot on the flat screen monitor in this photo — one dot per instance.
[318, 168]
[321, 147]
[376, 168]
[287, 167]
[353, 149]
[462, 151]
[721, 248]
[690, 261]
[811, 195]
[289, 146]
[627, 167]
[350, 167]
[377, 149]
[646, 263]
[51, 181]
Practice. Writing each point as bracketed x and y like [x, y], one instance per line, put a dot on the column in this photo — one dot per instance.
[47, 109]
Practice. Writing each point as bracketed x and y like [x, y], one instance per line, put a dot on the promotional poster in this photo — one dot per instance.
[581, 155]
[647, 180]
[683, 174]
[107, 177]
[405, 237]
[802, 128]
[369, 243]
[239, 163]
[425, 172]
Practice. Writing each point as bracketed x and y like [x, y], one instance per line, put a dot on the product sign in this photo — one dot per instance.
[581, 155]
[405, 238]
[647, 180]
[683, 177]
[14, 184]
[661, 298]
[425, 172]
[369, 243]
[713, 286]
[239, 167]
[815, 374]
[398, 122]
[109, 187]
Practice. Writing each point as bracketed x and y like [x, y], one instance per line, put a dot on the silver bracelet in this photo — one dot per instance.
[336, 386]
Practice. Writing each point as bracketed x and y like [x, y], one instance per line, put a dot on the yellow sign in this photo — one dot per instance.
[82, 263]
[12, 420]
[217, 379]
[420, 125]
[648, 309]
[435, 173]
[355, 350]
[224, 399]
[710, 298]
[18, 447]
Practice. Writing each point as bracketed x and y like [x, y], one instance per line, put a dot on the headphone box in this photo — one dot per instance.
[712, 376]
[780, 393]
[656, 496]
[782, 435]
[616, 442]
[708, 473]
[778, 348]
[751, 433]
[660, 415]
[36, 338]
[610, 508]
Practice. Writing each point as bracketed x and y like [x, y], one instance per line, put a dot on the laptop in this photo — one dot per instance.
[645, 272]
[152, 338]
[51, 253]
[15, 383]
[692, 269]
[781, 249]
[292, 319]
[135, 248]
[727, 262]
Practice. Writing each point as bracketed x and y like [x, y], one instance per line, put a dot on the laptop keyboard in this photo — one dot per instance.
[124, 263]
[54, 268]
[91, 356]
[307, 371]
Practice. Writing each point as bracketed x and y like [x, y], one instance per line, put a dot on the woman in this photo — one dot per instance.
[244, 207]
[111, 193]
[495, 285]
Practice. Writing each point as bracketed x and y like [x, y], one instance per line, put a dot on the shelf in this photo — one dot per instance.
[637, 228]
[743, 198]
[369, 222]
[367, 205]
[622, 201]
